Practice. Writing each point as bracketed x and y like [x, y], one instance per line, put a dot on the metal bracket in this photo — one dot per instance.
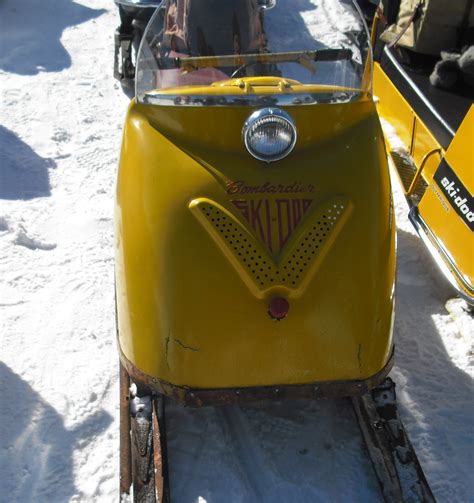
[414, 182]
[123, 64]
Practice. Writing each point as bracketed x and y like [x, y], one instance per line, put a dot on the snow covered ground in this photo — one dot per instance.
[60, 126]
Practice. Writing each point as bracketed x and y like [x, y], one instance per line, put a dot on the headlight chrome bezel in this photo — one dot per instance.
[279, 116]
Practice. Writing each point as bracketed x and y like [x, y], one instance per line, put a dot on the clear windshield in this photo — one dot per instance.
[301, 46]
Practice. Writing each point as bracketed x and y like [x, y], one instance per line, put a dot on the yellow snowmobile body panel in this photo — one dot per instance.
[438, 184]
[420, 143]
[206, 236]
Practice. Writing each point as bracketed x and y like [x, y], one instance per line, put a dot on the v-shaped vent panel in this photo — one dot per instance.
[295, 264]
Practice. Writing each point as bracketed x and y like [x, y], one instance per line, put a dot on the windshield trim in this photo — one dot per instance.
[199, 100]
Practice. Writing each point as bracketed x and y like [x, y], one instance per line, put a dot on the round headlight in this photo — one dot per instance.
[269, 134]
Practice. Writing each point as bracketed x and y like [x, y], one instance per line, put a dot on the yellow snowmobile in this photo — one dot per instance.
[255, 232]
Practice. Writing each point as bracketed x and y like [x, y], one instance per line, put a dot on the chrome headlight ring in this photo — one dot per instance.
[269, 134]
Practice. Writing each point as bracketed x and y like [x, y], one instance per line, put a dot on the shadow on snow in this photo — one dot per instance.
[36, 448]
[31, 30]
[23, 173]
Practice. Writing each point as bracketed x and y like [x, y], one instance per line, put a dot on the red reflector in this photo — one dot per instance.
[278, 308]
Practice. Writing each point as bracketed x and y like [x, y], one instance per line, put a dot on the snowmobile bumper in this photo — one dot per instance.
[442, 257]
[198, 397]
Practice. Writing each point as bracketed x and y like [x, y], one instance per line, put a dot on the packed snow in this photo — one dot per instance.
[60, 131]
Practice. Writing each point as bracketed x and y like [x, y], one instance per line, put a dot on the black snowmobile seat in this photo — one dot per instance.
[442, 111]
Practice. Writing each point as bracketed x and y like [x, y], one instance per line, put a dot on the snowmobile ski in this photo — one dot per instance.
[144, 465]
[143, 445]
[395, 463]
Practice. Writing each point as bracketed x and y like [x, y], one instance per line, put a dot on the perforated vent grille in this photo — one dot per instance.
[318, 229]
[295, 259]
[248, 252]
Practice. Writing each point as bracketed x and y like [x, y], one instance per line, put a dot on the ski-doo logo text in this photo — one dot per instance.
[459, 201]
[273, 220]
[458, 196]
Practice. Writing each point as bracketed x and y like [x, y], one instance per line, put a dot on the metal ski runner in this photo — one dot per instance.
[394, 460]
[160, 455]
[143, 466]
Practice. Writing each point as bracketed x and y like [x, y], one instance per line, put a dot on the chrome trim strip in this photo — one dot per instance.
[417, 91]
[262, 100]
[441, 256]
[140, 4]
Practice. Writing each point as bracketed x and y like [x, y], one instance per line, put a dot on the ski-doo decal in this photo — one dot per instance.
[456, 193]
[296, 263]
[273, 220]
[273, 210]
